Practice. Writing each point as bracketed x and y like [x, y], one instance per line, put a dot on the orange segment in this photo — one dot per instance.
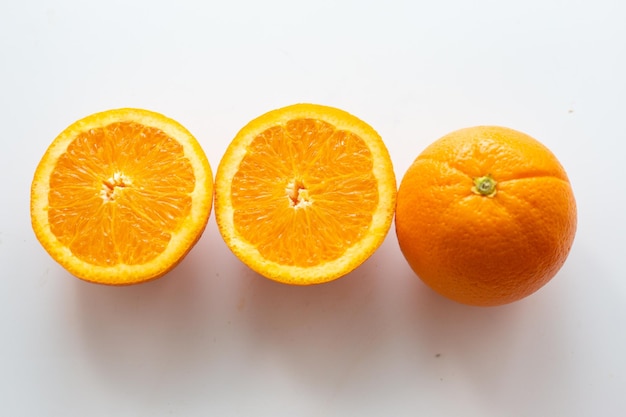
[121, 196]
[304, 194]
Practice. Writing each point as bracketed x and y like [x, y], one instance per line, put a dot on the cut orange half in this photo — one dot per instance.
[121, 196]
[305, 194]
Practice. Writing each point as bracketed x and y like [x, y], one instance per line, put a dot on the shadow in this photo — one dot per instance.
[380, 327]
[320, 336]
[213, 327]
[505, 357]
[157, 337]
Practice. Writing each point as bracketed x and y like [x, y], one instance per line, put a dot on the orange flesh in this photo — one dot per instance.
[304, 192]
[118, 192]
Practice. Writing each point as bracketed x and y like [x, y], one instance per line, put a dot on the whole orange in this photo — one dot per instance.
[485, 215]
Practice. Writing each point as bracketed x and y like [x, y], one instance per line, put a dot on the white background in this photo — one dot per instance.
[214, 339]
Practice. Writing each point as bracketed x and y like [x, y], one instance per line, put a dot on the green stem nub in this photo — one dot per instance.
[485, 186]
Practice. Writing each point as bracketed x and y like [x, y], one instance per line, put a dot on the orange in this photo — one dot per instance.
[485, 215]
[305, 194]
[121, 196]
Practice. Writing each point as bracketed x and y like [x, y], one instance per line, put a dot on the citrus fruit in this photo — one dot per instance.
[121, 196]
[485, 215]
[304, 194]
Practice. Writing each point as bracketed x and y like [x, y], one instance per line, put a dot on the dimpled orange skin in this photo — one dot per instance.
[485, 249]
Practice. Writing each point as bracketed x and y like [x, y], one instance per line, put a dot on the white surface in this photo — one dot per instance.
[214, 339]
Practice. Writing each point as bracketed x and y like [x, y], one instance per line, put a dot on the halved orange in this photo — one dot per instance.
[121, 196]
[305, 194]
